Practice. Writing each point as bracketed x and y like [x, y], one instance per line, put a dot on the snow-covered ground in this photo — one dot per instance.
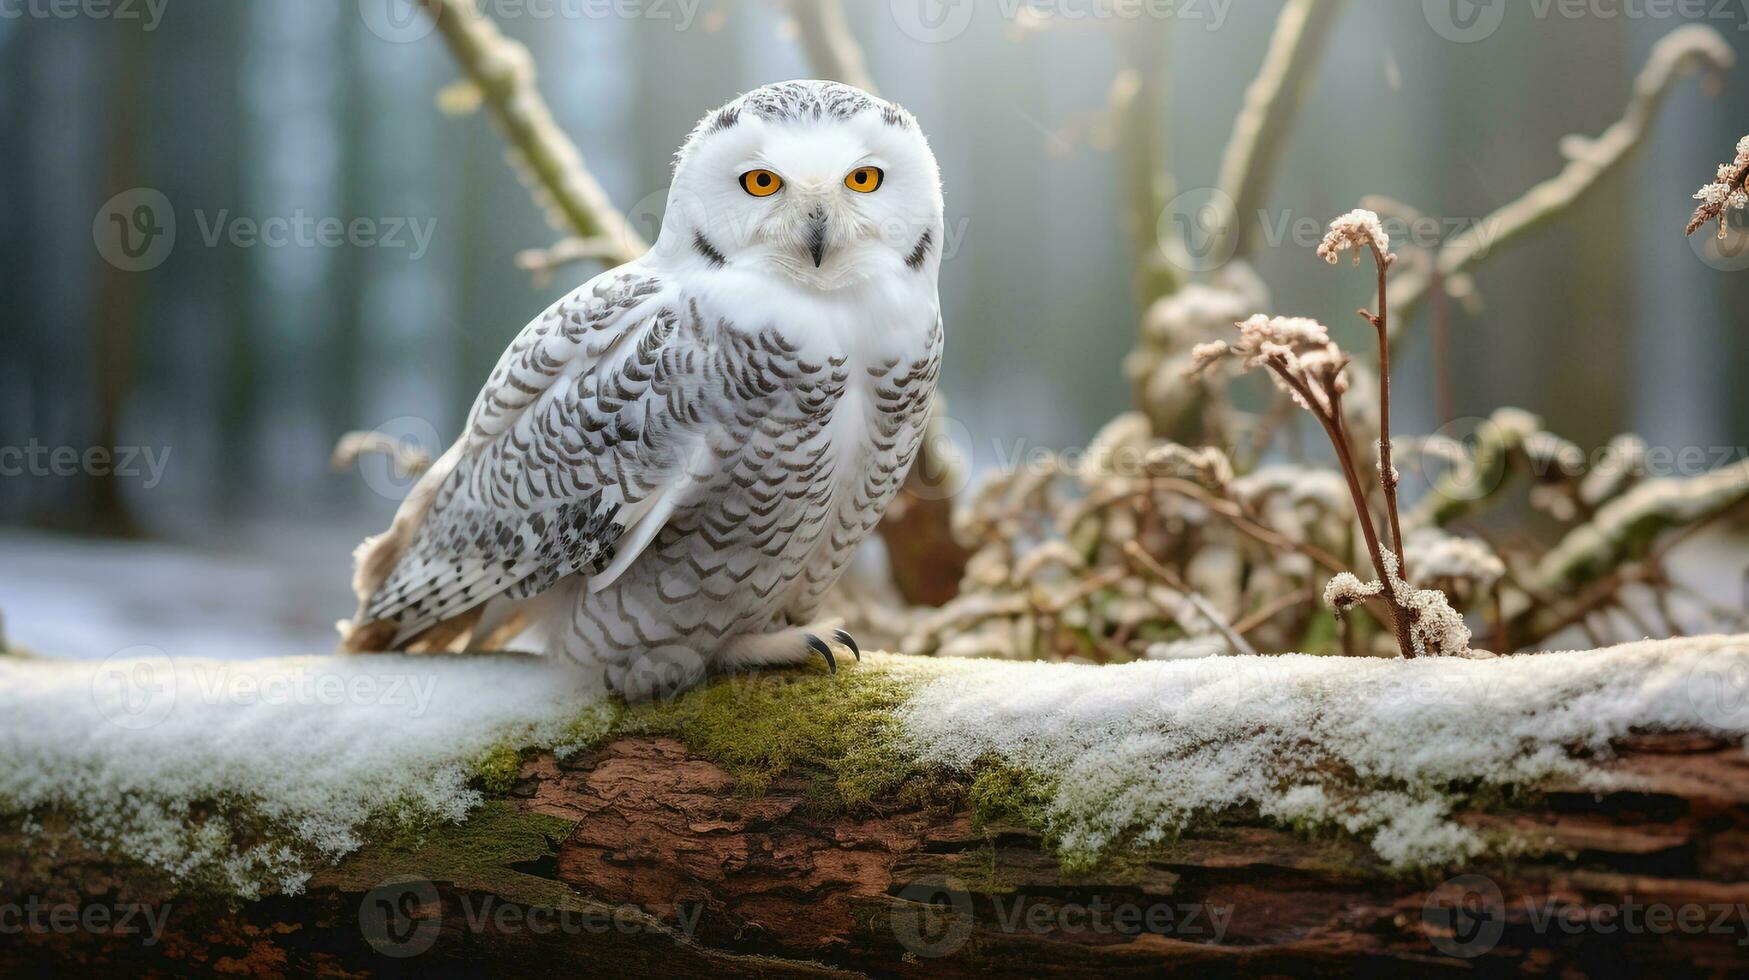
[258, 592]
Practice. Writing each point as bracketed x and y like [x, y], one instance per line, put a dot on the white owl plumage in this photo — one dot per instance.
[671, 465]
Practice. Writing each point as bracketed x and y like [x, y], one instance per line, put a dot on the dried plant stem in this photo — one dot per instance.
[1242, 522]
[1682, 52]
[1141, 557]
[551, 167]
[1138, 103]
[1330, 418]
[1272, 609]
[1387, 471]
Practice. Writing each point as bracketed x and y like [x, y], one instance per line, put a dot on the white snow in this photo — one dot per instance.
[1378, 747]
[132, 746]
[254, 773]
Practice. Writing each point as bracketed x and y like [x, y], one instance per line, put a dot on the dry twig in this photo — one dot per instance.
[1681, 53]
[547, 161]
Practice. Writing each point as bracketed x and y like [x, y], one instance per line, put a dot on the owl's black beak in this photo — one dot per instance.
[817, 235]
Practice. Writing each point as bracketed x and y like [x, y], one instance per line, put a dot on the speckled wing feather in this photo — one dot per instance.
[577, 435]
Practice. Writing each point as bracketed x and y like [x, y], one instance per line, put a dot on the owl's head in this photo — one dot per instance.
[817, 181]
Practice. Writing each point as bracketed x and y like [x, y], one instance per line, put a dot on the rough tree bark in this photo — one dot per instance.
[639, 857]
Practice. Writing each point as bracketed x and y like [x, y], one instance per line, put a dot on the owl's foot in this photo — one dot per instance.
[819, 646]
[788, 646]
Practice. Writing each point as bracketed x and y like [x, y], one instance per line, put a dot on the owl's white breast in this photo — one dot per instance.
[879, 327]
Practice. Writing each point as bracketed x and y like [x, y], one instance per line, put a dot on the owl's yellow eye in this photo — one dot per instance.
[761, 183]
[864, 180]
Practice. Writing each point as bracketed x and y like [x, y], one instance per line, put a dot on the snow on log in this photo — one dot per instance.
[1251, 815]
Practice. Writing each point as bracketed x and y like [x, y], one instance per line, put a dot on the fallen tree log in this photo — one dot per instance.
[645, 853]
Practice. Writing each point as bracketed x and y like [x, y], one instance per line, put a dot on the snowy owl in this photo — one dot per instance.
[671, 465]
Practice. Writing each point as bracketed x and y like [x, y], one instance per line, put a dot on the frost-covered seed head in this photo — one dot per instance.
[1725, 194]
[1359, 230]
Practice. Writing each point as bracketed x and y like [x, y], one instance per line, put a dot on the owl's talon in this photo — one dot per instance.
[819, 646]
[845, 638]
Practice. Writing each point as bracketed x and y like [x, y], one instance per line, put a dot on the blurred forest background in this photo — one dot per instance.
[244, 361]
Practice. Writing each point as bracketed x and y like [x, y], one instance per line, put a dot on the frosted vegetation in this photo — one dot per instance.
[1382, 749]
[244, 773]
[250, 775]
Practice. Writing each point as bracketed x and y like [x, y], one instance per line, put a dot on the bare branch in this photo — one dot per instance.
[825, 37]
[408, 459]
[1681, 53]
[1208, 612]
[542, 263]
[1138, 103]
[547, 161]
[1261, 131]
